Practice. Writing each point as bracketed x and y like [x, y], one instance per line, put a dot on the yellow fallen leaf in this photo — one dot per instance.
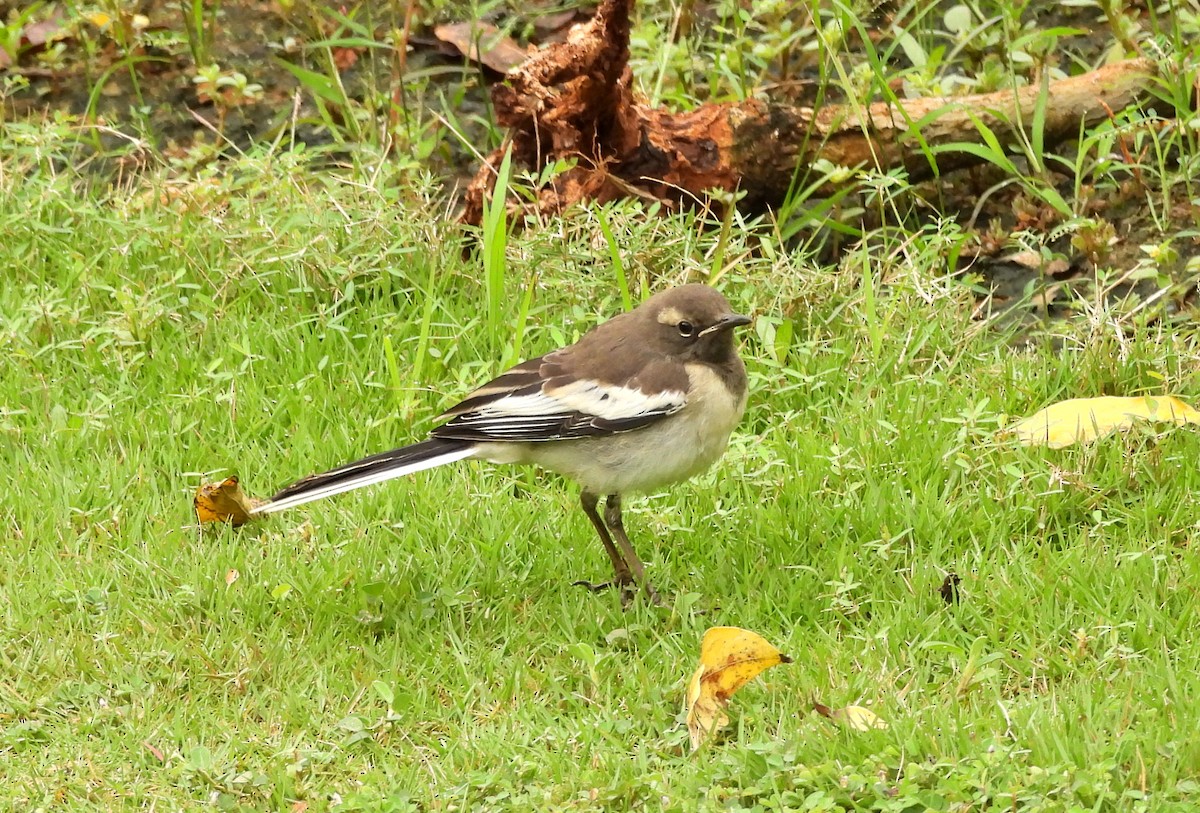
[729, 658]
[223, 502]
[857, 717]
[1080, 420]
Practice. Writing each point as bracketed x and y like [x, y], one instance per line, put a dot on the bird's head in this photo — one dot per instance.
[694, 322]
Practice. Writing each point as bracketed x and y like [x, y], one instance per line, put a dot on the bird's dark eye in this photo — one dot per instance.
[686, 329]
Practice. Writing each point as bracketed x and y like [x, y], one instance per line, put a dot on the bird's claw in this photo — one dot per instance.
[629, 589]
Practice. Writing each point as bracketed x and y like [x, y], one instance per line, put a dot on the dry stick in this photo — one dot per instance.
[882, 136]
[574, 100]
[400, 58]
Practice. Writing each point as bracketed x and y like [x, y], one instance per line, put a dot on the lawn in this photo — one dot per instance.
[420, 646]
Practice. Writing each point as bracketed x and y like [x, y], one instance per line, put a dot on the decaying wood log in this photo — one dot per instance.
[575, 100]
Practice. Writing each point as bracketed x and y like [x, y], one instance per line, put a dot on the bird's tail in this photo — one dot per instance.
[368, 471]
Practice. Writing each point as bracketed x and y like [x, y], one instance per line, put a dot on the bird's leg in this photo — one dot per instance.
[623, 577]
[612, 516]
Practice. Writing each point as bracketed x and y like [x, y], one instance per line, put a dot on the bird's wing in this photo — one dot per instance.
[552, 398]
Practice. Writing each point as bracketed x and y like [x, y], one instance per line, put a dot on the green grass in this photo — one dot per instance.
[419, 645]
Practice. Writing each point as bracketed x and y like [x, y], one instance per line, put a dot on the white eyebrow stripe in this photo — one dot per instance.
[669, 316]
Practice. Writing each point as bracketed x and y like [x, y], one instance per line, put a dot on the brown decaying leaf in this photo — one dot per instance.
[1034, 261]
[223, 502]
[46, 31]
[36, 35]
[555, 23]
[483, 43]
[949, 588]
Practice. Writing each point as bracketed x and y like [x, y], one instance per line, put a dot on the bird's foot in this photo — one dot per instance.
[600, 587]
[629, 589]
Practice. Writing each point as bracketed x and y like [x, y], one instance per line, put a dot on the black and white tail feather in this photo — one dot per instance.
[537, 401]
[377, 468]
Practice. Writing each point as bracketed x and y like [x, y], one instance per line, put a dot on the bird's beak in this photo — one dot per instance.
[729, 320]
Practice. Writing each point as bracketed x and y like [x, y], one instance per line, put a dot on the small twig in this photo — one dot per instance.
[208, 125]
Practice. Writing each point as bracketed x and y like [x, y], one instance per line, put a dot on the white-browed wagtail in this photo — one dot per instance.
[644, 400]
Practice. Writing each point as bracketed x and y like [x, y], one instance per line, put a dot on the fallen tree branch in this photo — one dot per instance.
[574, 101]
